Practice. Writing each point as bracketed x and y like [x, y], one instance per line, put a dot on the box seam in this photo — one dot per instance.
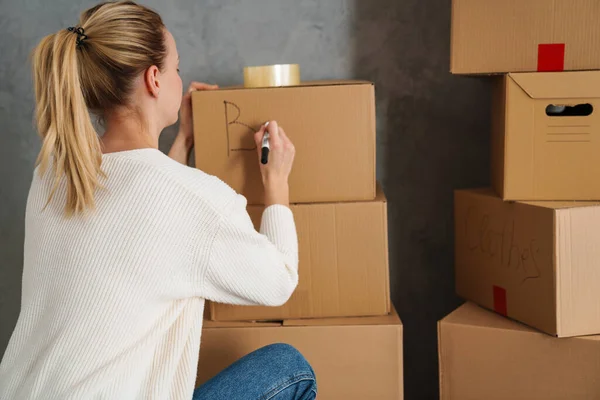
[557, 283]
[440, 357]
[387, 256]
[400, 358]
[452, 36]
[505, 134]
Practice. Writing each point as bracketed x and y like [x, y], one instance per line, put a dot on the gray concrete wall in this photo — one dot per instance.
[432, 128]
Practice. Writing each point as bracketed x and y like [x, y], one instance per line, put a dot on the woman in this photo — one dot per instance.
[124, 243]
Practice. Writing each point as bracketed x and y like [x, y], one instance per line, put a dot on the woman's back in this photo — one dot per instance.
[118, 294]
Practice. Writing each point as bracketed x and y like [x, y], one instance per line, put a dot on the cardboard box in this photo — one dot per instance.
[353, 358]
[485, 356]
[536, 262]
[495, 36]
[332, 126]
[343, 267]
[538, 154]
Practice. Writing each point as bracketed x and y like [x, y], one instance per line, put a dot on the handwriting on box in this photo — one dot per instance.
[500, 245]
[240, 135]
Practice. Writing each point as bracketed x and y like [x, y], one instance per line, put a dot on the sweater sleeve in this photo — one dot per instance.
[247, 267]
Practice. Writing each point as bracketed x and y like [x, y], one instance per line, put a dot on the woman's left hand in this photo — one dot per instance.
[184, 141]
[185, 112]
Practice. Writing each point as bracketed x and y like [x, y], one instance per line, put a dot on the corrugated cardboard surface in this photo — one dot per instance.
[541, 157]
[536, 261]
[356, 359]
[494, 36]
[343, 263]
[332, 126]
[485, 356]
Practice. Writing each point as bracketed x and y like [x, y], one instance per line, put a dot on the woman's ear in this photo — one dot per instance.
[151, 78]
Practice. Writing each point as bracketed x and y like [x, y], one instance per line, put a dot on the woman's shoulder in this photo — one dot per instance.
[207, 188]
[201, 187]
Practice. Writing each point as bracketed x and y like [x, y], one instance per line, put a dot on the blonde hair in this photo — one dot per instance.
[73, 78]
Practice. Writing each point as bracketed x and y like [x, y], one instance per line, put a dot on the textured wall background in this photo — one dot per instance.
[432, 127]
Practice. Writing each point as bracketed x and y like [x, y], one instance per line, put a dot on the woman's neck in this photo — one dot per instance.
[128, 134]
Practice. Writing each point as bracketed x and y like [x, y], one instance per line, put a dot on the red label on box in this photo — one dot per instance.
[500, 300]
[551, 57]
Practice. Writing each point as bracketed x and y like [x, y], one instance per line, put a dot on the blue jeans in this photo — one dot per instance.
[274, 372]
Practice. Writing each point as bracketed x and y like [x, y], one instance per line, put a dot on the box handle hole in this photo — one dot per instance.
[560, 110]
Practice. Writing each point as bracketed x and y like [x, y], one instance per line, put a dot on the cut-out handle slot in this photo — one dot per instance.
[561, 110]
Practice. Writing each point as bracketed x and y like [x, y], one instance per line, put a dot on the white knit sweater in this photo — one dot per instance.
[112, 303]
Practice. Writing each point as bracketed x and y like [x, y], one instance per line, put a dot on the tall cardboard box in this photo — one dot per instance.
[485, 356]
[545, 136]
[332, 126]
[353, 358]
[343, 264]
[536, 262]
[496, 36]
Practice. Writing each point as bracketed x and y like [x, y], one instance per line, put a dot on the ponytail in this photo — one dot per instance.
[64, 122]
[91, 67]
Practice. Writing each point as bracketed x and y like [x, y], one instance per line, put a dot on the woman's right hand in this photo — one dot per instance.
[277, 170]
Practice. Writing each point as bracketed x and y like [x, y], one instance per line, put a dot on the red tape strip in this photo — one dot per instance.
[551, 57]
[500, 300]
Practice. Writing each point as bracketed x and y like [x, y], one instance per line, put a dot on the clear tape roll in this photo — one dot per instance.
[272, 75]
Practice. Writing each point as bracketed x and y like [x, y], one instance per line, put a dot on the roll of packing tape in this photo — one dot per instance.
[272, 75]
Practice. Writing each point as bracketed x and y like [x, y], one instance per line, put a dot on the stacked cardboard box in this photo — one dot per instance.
[353, 358]
[500, 36]
[528, 247]
[342, 300]
[483, 355]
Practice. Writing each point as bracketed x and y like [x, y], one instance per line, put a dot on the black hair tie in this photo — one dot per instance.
[81, 36]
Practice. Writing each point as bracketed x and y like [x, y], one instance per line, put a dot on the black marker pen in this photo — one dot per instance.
[264, 152]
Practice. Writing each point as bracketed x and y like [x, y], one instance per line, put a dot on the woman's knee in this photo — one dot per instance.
[287, 357]
[275, 372]
[297, 379]
[286, 354]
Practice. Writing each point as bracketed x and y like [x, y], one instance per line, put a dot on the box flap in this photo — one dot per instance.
[559, 85]
[473, 315]
[562, 205]
[390, 319]
[555, 205]
[332, 82]
[379, 193]
[208, 324]
[329, 82]
[379, 198]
